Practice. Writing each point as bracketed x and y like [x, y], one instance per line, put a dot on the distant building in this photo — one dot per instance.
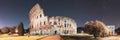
[44, 25]
[112, 28]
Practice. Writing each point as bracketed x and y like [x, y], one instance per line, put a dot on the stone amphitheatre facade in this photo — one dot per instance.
[44, 25]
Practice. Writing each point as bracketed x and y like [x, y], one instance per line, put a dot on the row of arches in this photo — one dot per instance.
[45, 32]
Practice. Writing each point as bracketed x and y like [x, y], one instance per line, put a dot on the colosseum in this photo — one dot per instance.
[44, 25]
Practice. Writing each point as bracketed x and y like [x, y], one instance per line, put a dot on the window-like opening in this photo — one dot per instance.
[50, 23]
[40, 15]
[32, 26]
[65, 23]
[44, 23]
[55, 32]
[37, 17]
[59, 19]
[55, 23]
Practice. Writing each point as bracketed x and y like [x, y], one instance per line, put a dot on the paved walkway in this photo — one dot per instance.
[55, 37]
[111, 38]
[22, 38]
[45, 37]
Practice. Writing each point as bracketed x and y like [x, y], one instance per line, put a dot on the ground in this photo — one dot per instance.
[52, 37]
[42, 37]
[111, 38]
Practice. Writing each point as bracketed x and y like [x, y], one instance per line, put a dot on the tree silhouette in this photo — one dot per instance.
[21, 29]
[96, 28]
[117, 31]
[5, 30]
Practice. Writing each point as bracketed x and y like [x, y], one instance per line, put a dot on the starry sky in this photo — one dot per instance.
[12, 12]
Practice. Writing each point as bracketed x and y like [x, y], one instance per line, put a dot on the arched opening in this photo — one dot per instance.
[55, 32]
[40, 16]
[41, 32]
[49, 32]
[55, 24]
[65, 23]
[37, 17]
[66, 31]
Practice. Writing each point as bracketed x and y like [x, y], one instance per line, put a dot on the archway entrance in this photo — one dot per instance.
[55, 32]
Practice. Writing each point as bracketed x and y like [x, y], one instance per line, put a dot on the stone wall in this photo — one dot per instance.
[42, 25]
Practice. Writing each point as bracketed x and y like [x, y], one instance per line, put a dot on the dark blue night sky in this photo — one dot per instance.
[12, 12]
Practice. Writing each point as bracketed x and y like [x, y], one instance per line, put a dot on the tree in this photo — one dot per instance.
[5, 30]
[12, 29]
[0, 31]
[91, 28]
[117, 31]
[21, 29]
[96, 28]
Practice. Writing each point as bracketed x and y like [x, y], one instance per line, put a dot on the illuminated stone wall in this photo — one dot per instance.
[42, 25]
[111, 28]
